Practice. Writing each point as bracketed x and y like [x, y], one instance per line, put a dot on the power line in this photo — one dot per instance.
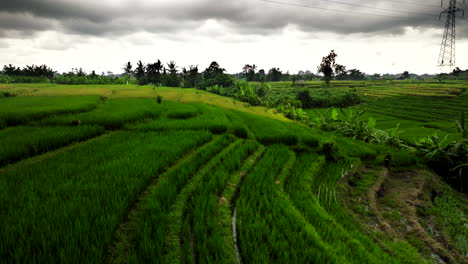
[335, 10]
[379, 8]
[411, 3]
[447, 49]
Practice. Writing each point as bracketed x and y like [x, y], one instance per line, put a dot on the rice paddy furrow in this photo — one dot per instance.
[173, 245]
[124, 235]
[149, 244]
[279, 236]
[41, 157]
[17, 143]
[70, 204]
[227, 201]
[201, 215]
[299, 190]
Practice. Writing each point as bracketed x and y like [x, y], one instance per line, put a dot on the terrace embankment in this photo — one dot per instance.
[403, 205]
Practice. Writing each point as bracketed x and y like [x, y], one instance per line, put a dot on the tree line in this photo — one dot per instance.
[170, 75]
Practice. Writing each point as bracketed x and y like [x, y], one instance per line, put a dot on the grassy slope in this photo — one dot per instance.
[134, 91]
[285, 228]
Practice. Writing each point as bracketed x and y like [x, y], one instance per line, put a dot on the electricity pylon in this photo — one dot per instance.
[447, 49]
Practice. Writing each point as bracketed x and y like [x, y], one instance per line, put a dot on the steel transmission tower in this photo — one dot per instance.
[447, 49]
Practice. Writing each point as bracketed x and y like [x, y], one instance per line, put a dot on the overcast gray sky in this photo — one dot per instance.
[374, 36]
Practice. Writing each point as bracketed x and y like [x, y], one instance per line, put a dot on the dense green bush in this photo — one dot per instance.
[447, 157]
[88, 79]
[329, 150]
[23, 79]
[327, 98]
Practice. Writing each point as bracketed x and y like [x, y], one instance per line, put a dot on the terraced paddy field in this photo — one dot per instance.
[422, 108]
[108, 175]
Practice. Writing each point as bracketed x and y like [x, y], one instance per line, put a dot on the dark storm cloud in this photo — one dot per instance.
[244, 16]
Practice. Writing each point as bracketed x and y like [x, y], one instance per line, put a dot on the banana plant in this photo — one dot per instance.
[461, 126]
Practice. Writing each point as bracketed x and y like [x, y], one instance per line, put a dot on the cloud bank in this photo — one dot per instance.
[257, 17]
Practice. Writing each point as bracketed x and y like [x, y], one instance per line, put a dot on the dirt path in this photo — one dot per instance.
[372, 195]
[409, 200]
[404, 189]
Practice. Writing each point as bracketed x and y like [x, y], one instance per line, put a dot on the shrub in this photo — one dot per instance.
[241, 132]
[305, 99]
[218, 129]
[311, 141]
[6, 94]
[182, 114]
[170, 80]
[329, 150]
[159, 99]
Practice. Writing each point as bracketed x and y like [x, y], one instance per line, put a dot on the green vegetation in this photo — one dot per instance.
[261, 208]
[453, 220]
[187, 176]
[112, 114]
[19, 110]
[200, 218]
[197, 117]
[65, 208]
[150, 239]
[18, 143]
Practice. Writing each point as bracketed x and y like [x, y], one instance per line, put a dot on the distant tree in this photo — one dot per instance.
[249, 72]
[11, 70]
[274, 75]
[153, 72]
[405, 75]
[171, 80]
[140, 71]
[294, 79]
[93, 75]
[355, 74]
[29, 70]
[340, 72]
[213, 70]
[285, 76]
[376, 76]
[80, 72]
[261, 75]
[191, 76]
[172, 68]
[456, 72]
[214, 75]
[128, 69]
[327, 66]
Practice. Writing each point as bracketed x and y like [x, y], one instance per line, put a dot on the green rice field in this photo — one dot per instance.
[95, 174]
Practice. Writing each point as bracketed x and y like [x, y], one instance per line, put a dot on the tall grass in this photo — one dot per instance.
[17, 143]
[154, 222]
[344, 242]
[270, 230]
[209, 118]
[201, 226]
[64, 209]
[269, 131]
[20, 110]
[113, 114]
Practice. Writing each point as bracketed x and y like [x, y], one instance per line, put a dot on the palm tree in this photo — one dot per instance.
[128, 70]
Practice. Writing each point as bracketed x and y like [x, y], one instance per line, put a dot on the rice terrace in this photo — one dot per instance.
[161, 163]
